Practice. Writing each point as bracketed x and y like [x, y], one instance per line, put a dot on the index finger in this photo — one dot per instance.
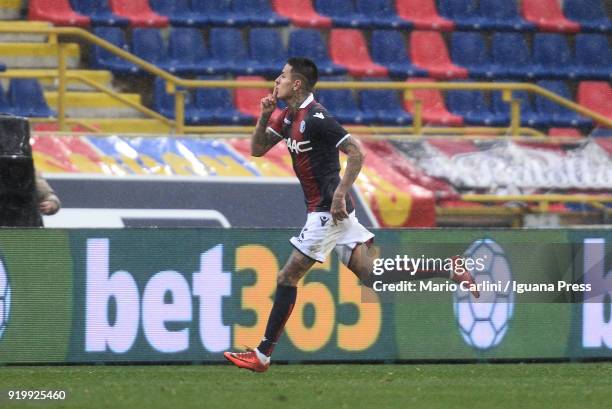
[275, 93]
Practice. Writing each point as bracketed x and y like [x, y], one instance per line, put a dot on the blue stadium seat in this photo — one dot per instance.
[389, 49]
[164, 104]
[99, 13]
[473, 107]
[382, 14]
[148, 44]
[555, 114]
[179, 12]
[552, 57]
[464, 13]
[189, 54]
[103, 59]
[511, 54]
[309, 43]
[590, 14]
[593, 56]
[26, 98]
[343, 13]
[267, 51]
[220, 13]
[218, 102]
[5, 105]
[502, 15]
[227, 45]
[341, 104]
[528, 115]
[468, 49]
[601, 132]
[384, 106]
[259, 13]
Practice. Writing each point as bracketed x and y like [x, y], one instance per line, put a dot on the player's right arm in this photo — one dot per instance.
[264, 137]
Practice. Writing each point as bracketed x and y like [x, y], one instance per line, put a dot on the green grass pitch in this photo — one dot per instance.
[499, 386]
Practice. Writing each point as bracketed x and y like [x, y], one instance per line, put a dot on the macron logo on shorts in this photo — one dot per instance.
[324, 220]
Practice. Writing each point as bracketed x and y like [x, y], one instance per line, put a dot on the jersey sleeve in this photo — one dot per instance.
[325, 127]
[275, 123]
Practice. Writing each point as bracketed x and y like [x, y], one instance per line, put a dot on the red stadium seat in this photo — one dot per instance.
[247, 100]
[301, 13]
[597, 96]
[564, 133]
[434, 108]
[423, 14]
[348, 47]
[138, 12]
[58, 12]
[547, 15]
[428, 50]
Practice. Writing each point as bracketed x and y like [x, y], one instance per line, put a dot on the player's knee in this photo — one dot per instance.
[285, 279]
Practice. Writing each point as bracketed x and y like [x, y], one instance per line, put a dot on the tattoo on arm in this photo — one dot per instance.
[352, 148]
[262, 139]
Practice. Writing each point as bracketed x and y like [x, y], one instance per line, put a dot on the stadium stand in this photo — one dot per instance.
[464, 13]
[342, 13]
[247, 100]
[554, 114]
[511, 53]
[219, 102]
[384, 107]
[342, 105]
[310, 44]
[502, 16]
[179, 13]
[99, 13]
[10, 9]
[227, 45]
[382, 14]
[348, 48]
[434, 108]
[189, 53]
[138, 12]
[103, 59]
[220, 13]
[148, 44]
[259, 13]
[473, 107]
[529, 117]
[26, 99]
[552, 57]
[547, 15]
[593, 56]
[597, 96]
[428, 51]
[267, 51]
[468, 50]
[301, 13]
[389, 49]
[590, 14]
[58, 12]
[423, 14]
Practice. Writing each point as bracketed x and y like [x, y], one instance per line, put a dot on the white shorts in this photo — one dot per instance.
[320, 236]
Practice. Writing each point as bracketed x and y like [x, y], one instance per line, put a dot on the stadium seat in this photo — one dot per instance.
[218, 101]
[247, 100]
[464, 13]
[552, 57]
[428, 51]
[103, 59]
[99, 13]
[58, 12]
[5, 105]
[309, 43]
[555, 114]
[341, 105]
[564, 132]
[601, 132]
[434, 109]
[259, 13]
[593, 56]
[179, 13]
[511, 54]
[148, 44]
[384, 106]
[342, 13]
[389, 49]
[188, 51]
[547, 15]
[227, 45]
[267, 51]
[138, 12]
[164, 103]
[590, 14]
[382, 14]
[468, 50]
[220, 13]
[528, 115]
[348, 48]
[301, 13]
[502, 15]
[596, 96]
[26, 98]
[473, 107]
[423, 14]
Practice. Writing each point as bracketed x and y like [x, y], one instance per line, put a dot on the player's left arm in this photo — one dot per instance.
[354, 151]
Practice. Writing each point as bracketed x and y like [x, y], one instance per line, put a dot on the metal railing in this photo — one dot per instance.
[179, 86]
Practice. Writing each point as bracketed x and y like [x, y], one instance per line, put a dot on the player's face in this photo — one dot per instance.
[284, 84]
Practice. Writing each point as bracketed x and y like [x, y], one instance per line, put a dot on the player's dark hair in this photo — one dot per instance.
[306, 68]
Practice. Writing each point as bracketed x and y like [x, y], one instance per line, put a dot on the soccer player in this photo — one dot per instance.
[313, 138]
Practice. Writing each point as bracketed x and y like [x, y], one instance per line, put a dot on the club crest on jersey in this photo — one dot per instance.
[297, 147]
[302, 126]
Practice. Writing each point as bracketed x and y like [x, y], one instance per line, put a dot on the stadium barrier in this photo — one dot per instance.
[186, 295]
[177, 86]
